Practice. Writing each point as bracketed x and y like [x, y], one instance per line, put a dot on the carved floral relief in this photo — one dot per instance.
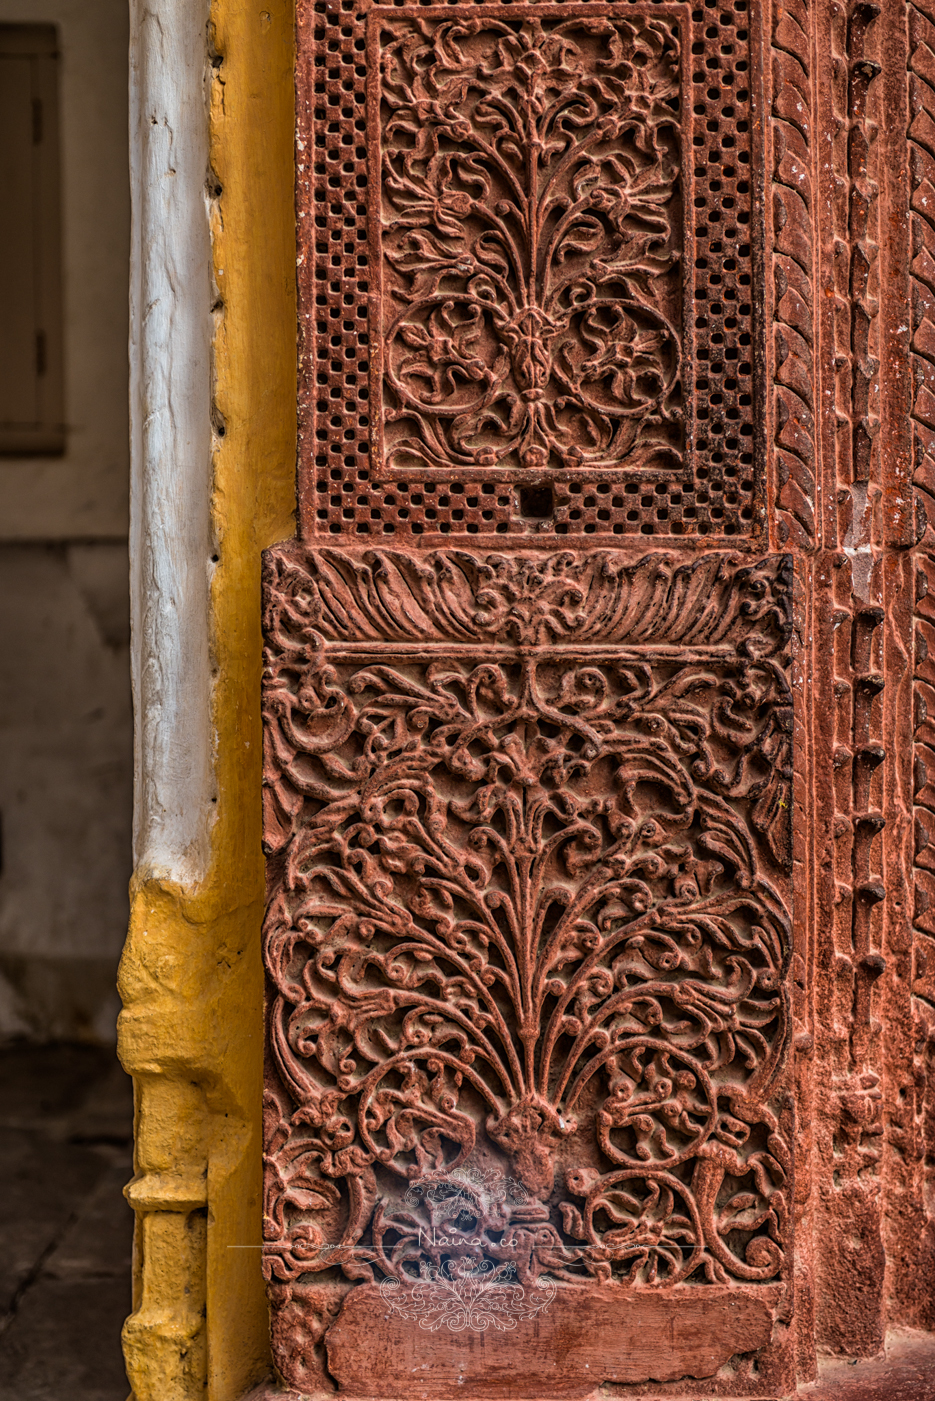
[528, 811]
[530, 235]
[528, 915]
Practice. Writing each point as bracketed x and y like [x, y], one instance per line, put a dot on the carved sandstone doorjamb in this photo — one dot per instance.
[588, 852]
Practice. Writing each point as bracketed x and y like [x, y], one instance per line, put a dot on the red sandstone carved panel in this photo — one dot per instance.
[528, 826]
[529, 230]
[564, 1088]
[532, 242]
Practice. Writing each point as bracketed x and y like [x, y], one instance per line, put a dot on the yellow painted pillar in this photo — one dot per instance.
[191, 1032]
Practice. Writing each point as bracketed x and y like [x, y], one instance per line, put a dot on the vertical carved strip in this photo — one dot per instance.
[855, 211]
[309, 195]
[923, 970]
[909, 1273]
[888, 103]
[922, 228]
[793, 334]
[866, 1226]
[877, 55]
[805, 511]
[807, 840]
[921, 92]
[849, 1248]
[851, 1263]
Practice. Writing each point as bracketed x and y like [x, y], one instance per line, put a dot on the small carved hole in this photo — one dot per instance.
[536, 502]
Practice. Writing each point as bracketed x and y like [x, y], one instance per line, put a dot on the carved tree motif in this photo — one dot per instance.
[525, 905]
[531, 238]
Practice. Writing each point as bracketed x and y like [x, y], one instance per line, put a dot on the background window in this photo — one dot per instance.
[30, 260]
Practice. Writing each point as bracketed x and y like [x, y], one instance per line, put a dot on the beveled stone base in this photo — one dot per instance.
[905, 1373]
[585, 1338]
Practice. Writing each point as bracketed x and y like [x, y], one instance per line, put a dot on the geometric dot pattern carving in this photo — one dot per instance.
[526, 273]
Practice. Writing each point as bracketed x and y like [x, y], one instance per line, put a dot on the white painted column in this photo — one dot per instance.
[170, 408]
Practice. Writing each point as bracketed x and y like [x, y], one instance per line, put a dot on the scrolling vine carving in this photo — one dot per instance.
[531, 239]
[527, 913]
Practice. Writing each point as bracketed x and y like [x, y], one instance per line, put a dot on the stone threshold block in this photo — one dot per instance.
[905, 1372]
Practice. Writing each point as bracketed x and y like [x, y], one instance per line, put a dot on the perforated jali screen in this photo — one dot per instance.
[582, 362]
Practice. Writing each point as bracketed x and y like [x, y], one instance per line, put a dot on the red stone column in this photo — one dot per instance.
[600, 1003]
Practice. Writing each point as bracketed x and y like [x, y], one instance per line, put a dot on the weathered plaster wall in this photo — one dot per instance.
[65, 725]
[84, 493]
[65, 741]
[191, 1031]
[172, 304]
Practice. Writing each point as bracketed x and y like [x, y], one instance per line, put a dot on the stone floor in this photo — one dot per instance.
[65, 1230]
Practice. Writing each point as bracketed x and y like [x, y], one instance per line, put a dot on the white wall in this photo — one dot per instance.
[65, 724]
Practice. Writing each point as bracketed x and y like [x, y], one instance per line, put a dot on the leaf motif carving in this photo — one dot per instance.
[527, 898]
[530, 236]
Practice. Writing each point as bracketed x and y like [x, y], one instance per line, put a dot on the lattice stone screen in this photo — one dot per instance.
[550, 250]
[599, 1010]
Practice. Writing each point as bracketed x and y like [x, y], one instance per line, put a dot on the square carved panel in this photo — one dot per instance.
[527, 274]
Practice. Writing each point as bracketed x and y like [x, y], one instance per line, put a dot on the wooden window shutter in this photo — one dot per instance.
[31, 410]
